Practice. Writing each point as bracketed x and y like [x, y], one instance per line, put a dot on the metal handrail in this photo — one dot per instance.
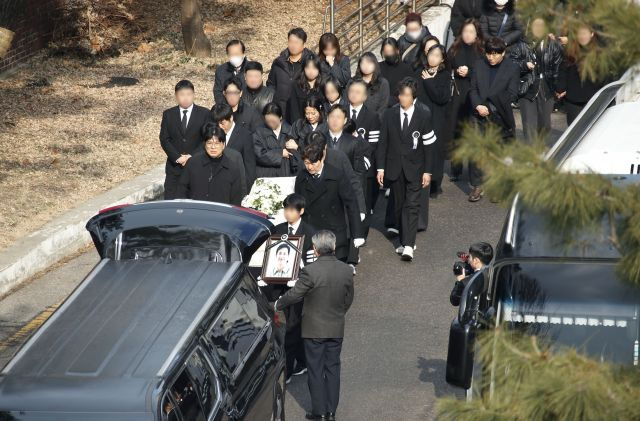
[361, 27]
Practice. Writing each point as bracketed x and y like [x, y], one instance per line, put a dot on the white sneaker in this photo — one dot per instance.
[407, 254]
[400, 249]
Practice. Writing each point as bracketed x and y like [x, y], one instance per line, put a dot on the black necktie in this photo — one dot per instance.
[290, 230]
[405, 122]
[184, 120]
[335, 141]
[354, 115]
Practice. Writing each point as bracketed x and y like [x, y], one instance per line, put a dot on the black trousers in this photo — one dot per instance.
[391, 220]
[406, 201]
[170, 185]
[572, 111]
[293, 344]
[323, 364]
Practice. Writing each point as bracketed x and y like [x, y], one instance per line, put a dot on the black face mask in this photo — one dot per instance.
[392, 59]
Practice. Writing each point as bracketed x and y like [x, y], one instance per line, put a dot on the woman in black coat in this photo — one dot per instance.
[332, 62]
[463, 54]
[392, 67]
[313, 121]
[377, 86]
[500, 20]
[434, 91]
[273, 159]
[333, 93]
[307, 84]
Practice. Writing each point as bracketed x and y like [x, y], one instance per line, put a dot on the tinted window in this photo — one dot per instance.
[203, 380]
[182, 401]
[582, 305]
[237, 328]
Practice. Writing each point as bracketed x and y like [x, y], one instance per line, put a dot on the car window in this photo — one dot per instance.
[237, 327]
[181, 402]
[203, 380]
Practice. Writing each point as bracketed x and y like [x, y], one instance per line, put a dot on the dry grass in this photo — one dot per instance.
[67, 142]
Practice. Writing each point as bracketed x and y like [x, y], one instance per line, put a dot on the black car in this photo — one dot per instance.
[565, 291]
[170, 325]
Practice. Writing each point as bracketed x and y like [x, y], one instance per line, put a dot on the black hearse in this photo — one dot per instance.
[170, 325]
[565, 292]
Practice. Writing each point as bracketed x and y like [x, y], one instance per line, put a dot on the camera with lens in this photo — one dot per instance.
[462, 264]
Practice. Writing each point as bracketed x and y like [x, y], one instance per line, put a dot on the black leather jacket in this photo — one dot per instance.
[548, 66]
[258, 98]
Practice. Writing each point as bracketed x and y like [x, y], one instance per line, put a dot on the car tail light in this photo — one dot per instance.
[253, 211]
[110, 208]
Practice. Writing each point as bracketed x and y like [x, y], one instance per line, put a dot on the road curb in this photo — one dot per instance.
[66, 234]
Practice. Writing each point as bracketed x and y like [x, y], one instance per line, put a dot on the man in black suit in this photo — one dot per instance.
[212, 175]
[238, 138]
[494, 87]
[405, 157]
[180, 134]
[244, 114]
[327, 289]
[368, 128]
[294, 206]
[329, 198]
[234, 67]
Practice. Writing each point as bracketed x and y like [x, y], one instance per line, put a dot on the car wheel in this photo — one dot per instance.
[278, 399]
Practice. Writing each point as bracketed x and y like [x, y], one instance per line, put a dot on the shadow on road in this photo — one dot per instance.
[433, 371]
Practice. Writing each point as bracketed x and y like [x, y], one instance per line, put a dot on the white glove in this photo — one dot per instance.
[362, 216]
[262, 283]
[292, 283]
[357, 242]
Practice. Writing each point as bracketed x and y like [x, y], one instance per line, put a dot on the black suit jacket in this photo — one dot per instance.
[303, 229]
[199, 181]
[499, 95]
[174, 141]
[354, 147]
[411, 152]
[241, 140]
[327, 200]
[368, 128]
[225, 72]
[327, 289]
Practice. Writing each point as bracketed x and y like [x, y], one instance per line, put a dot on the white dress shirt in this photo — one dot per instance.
[228, 136]
[334, 135]
[351, 108]
[294, 226]
[409, 113]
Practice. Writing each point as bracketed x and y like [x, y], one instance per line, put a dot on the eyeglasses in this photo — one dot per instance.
[213, 143]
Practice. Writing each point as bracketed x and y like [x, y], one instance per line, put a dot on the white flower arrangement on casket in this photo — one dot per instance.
[267, 194]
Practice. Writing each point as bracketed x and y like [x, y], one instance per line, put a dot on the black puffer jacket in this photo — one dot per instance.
[547, 61]
[491, 21]
[405, 41]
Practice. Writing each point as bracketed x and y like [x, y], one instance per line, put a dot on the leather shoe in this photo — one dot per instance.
[312, 416]
[330, 416]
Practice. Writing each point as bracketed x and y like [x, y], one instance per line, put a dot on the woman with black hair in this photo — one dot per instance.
[333, 63]
[500, 21]
[466, 50]
[333, 93]
[377, 86]
[307, 84]
[392, 67]
[273, 159]
[313, 121]
[434, 91]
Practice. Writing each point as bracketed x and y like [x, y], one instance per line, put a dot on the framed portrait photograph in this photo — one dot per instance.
[282, 258]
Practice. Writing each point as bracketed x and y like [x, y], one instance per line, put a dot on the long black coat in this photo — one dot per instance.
[328, 199]
[336, 158]
[199, 181]
[354, 147]
[435, 93]
[301, 128]
[497, 95]
[341, 70]
[174, 141]
[463, 10]
[268, 151]
[283, 75]
[378, 98]
[241, 140]
[225, 72]
[394, 73]
[396, 152]
[295, 103]
[327, 289]
[248, 117]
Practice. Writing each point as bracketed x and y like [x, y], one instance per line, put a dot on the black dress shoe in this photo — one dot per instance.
[330, 416]
[311, 416]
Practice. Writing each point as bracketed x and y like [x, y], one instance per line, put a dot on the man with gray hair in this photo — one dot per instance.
[327, 289]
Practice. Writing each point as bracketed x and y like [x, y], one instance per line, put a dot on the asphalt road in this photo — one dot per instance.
[394, 351]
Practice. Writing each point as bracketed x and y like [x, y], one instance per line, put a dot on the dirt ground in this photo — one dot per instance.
[67, 134]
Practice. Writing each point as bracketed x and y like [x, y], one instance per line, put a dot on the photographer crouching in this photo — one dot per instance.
[479, 256]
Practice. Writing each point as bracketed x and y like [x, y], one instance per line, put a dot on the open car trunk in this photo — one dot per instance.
[178, 229]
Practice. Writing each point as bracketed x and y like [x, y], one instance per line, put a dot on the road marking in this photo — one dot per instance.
[25, 331]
